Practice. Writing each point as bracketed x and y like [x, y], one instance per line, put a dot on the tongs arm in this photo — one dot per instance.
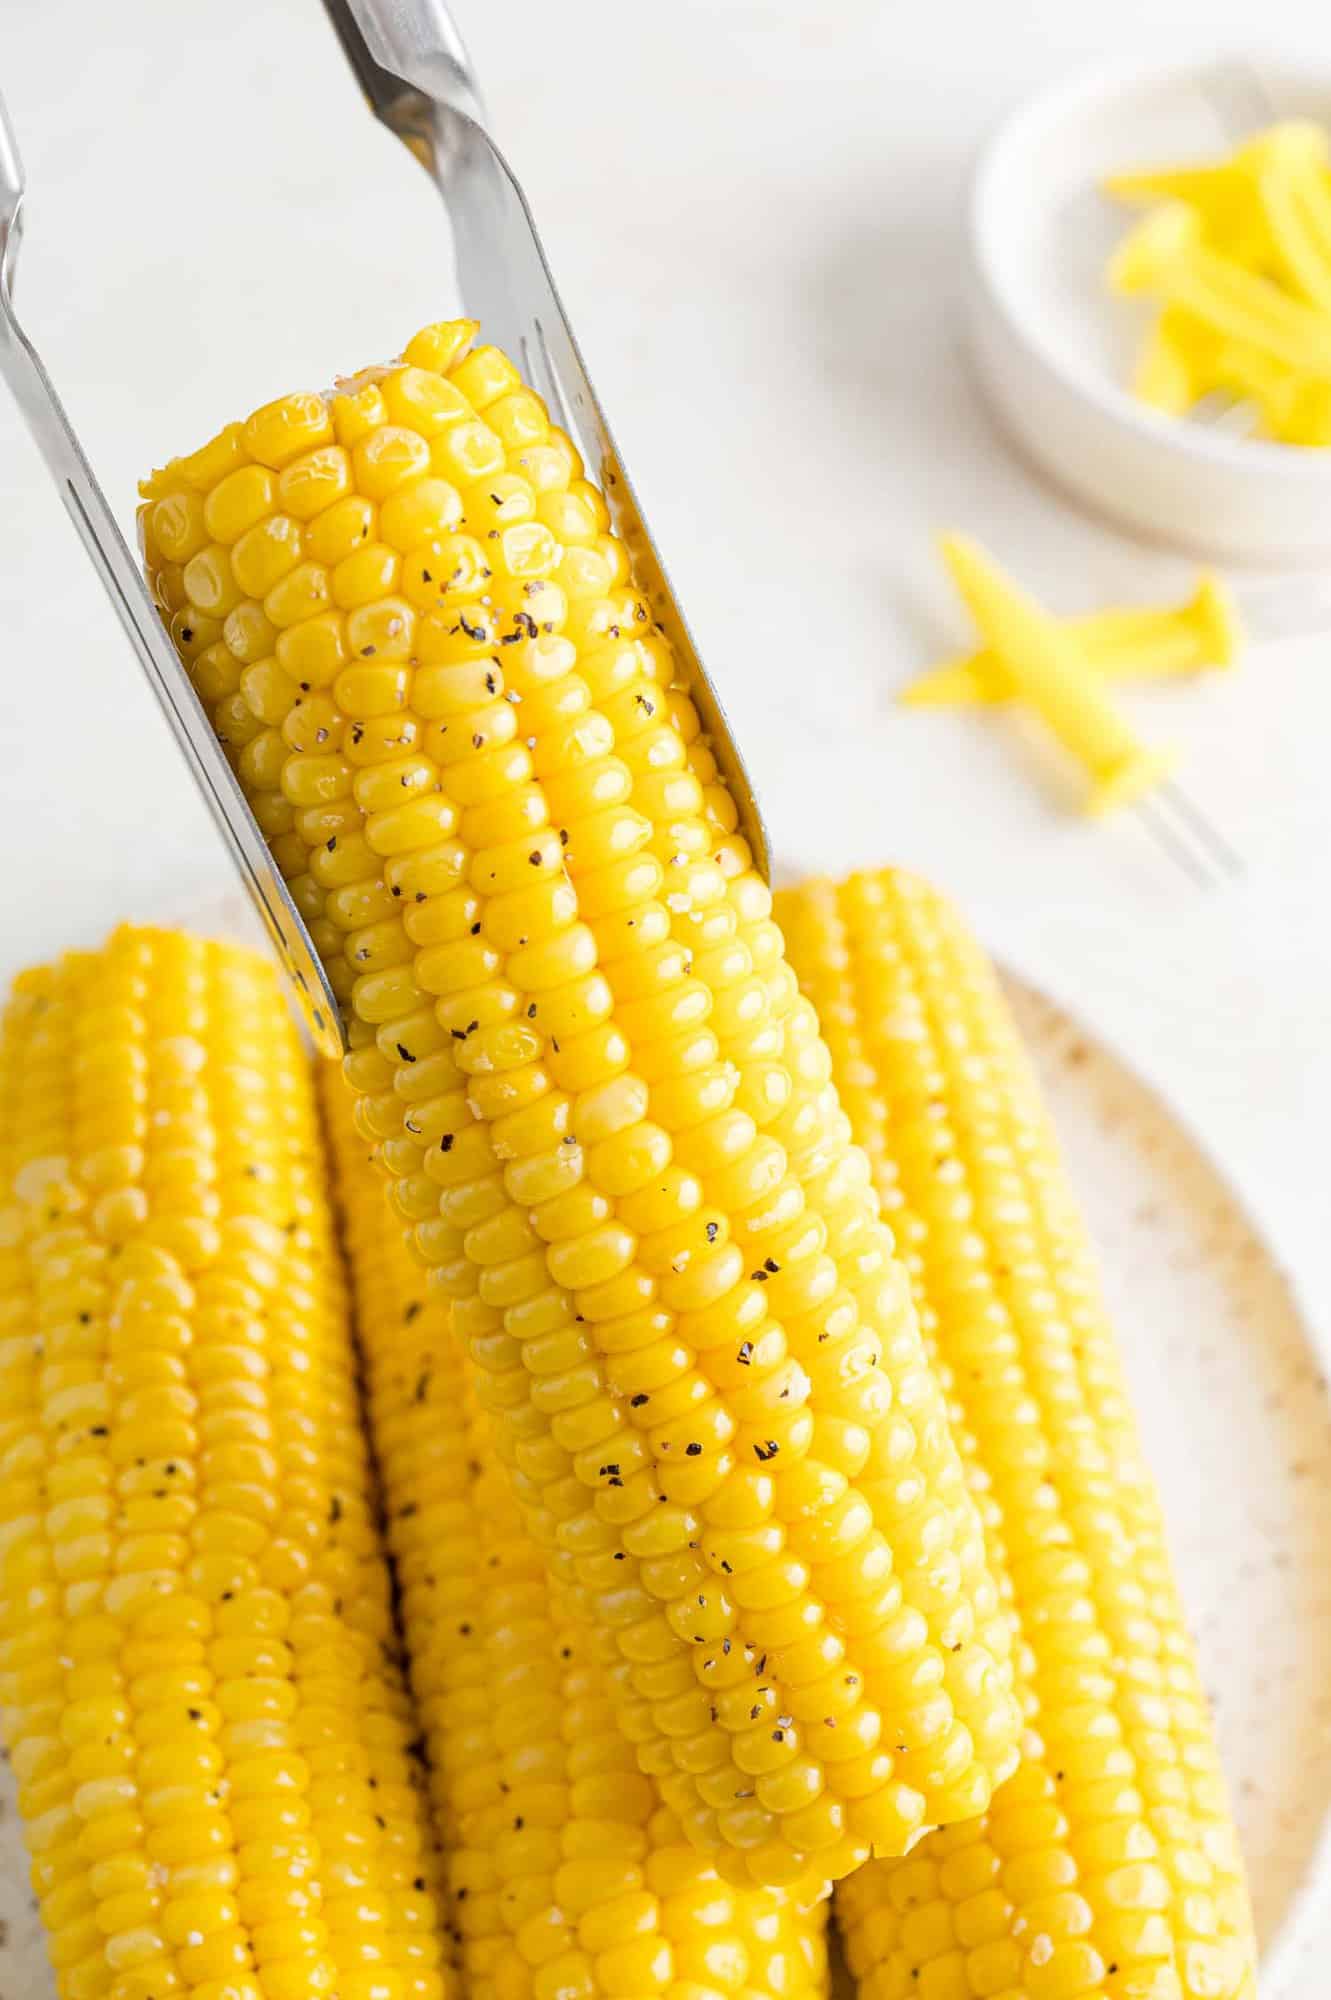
[115, 563]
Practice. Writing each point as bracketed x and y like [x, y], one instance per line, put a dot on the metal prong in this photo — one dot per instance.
[1205, 833]
[1174, 846]
[1239, 97]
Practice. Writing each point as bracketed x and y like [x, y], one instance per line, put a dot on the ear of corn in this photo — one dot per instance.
[603, 1107]
[1108, 1865]
[198, 1673]
[568, 1876]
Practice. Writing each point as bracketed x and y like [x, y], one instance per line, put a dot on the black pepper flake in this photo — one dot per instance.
[726, 1567]
[357, 733]
[713, 1231]
[85, 1319]
[563, 836]
[755, 1712]
[554, 1043]
[759, 1277]
[98, 1431]
[331, 842]
[769, 1450]
[458, 1034]
[194, 1714]
[472, 631]
[396, 890]
[619, 1555]
[412, 1310]
[420, 896]
[771, 1266]
[531, 1011]
[477, 740]
[405, 1052]
[518, 1823]
[608, 1471]
[446, 1143]
[693, 1451]
[534, 858]
[745, 1355]
[778, 1736]
[368, 652]
[636, 1402]
[476, 930]
[422, 1388]
[335, 1508]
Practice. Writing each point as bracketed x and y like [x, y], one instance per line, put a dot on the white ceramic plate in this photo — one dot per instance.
[1235, 1411]
[1055, 350]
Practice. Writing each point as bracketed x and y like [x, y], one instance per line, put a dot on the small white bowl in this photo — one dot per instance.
[1054, 349]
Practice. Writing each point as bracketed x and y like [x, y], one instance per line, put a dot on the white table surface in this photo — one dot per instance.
[753, 209]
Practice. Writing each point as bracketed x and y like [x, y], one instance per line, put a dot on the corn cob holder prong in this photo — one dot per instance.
[1146, 643]
[1045, 667]
[414, 70]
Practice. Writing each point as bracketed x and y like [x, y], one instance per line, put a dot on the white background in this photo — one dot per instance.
[753, 208]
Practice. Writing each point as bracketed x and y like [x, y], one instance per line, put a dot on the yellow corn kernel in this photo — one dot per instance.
[219, 1742]
[557, 1847]
[1072, 1874]
[585, 959]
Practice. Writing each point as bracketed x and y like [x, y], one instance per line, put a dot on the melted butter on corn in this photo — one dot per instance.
[1108, 1864]
[568, 1876]
[199, 1674]
[604, 1109]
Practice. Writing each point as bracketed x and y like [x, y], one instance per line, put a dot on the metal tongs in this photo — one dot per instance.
[414, 69]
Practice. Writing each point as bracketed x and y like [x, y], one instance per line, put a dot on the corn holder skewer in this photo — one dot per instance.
[413, 68]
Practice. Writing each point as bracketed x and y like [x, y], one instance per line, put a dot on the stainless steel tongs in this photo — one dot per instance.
[413, 68]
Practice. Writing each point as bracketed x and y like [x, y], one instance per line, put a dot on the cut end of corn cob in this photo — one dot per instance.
[603, 1109]
[1108, 1863]
[199, 1672]
[568, 1876]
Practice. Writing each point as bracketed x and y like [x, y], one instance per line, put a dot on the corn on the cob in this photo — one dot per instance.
[1108, 1866]
[198, 1669]
[603, 1105]
[568, 1876]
